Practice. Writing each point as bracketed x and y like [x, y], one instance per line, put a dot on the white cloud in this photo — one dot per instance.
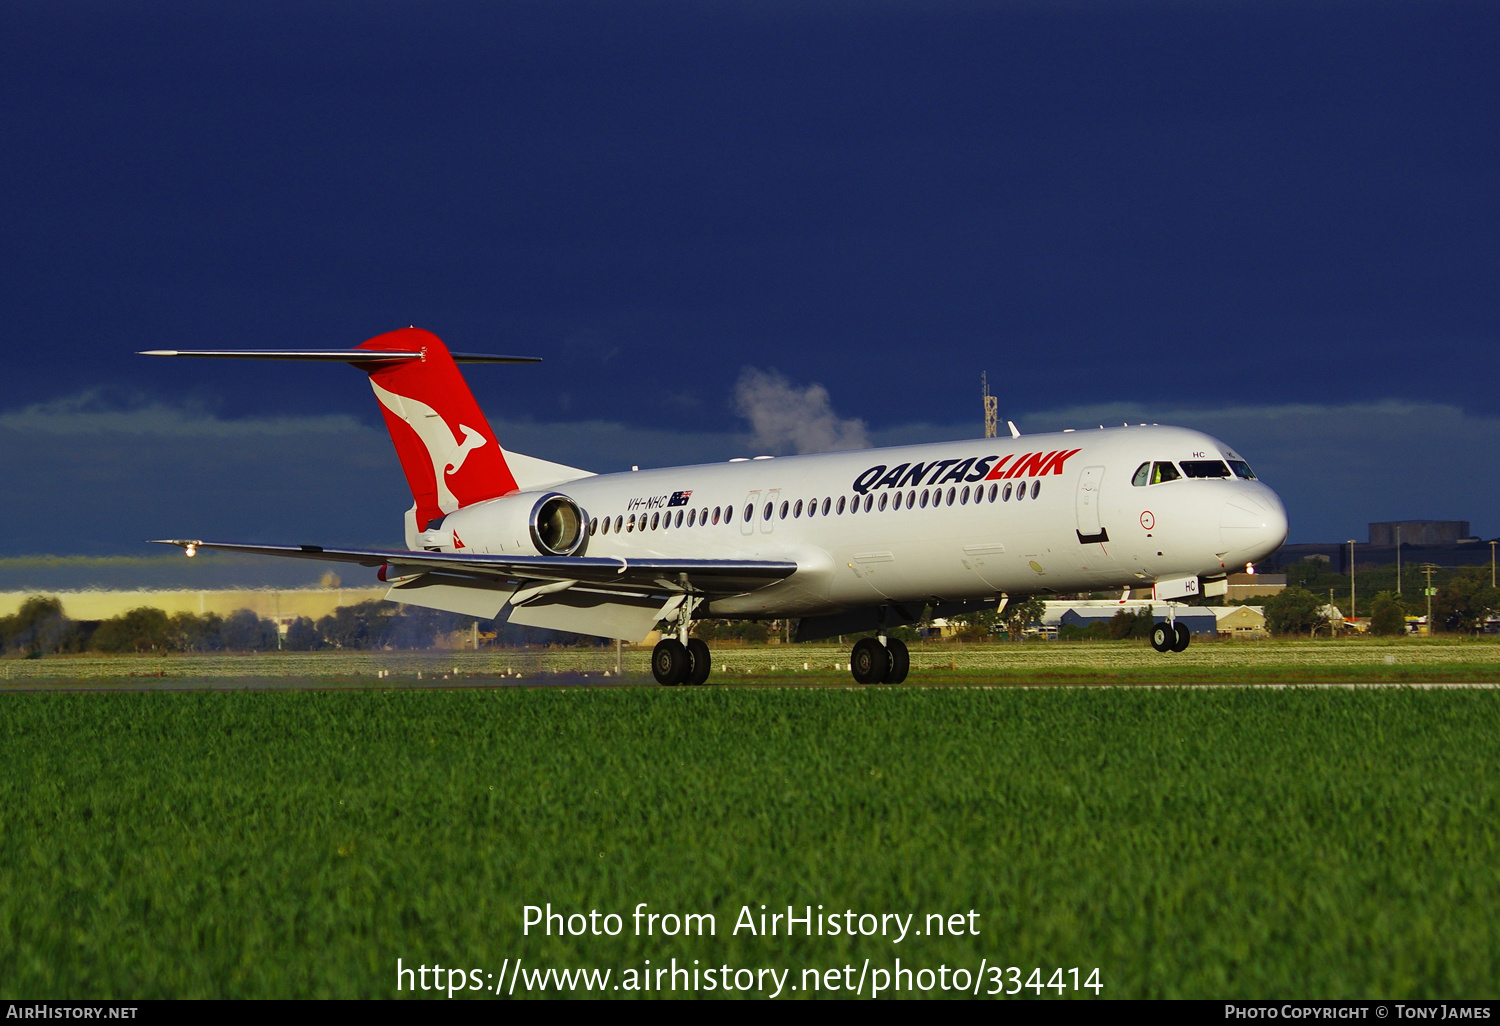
[785, 417]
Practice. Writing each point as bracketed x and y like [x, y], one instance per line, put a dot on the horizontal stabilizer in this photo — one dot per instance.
[366, 356]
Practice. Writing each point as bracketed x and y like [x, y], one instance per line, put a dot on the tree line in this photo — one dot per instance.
[40, 628]
[1462, 605]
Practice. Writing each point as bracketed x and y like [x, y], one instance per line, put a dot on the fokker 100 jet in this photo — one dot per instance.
[846, 542]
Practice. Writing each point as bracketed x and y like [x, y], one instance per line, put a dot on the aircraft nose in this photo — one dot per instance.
[1252, 526]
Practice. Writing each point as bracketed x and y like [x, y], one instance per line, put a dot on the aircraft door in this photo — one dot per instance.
[1088, 503]
[752, 503]
[1093, 536]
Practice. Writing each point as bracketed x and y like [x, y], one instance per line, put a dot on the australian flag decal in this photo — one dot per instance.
[679, 498]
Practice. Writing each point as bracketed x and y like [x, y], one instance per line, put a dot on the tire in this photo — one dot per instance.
[669, 662]
[1163, 637]
[869, 661]
[699, 662]
[1184, 636]
[900, 660]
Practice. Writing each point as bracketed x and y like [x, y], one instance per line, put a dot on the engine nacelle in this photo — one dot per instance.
[558, 526]
[551, 524]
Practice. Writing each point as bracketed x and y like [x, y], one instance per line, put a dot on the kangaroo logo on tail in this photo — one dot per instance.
[446, 452]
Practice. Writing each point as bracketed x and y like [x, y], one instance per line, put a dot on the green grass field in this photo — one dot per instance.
[1304, 842]
[1453, 658]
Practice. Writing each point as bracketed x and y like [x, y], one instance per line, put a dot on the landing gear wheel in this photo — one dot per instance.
[1163, 637]
[900, 660]
[699, 662]
[1180, 643]
[869, 661]
[669, 662]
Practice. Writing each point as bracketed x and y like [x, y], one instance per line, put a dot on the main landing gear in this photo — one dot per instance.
[1170, 636]
[881, 660]
[681, 660]
[672, 662]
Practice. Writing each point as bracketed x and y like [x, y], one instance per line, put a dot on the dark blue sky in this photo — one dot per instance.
[1180, 207]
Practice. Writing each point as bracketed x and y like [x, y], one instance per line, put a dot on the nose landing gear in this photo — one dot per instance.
[1170, 636]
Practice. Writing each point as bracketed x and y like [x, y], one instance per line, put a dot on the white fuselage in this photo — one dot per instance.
[944, 530]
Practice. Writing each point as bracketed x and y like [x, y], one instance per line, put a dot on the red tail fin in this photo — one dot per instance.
[448, 451]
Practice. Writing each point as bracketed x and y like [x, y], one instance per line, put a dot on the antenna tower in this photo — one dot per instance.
[991, 408]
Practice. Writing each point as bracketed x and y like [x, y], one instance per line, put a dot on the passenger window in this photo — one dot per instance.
[1142, 475]
[630, 524]
[728, 514]
[766, 513]
[1161, 473]
[963, 496]
[703, 517]
[924, 498]
[604, 527]
[749, 511]
[784, 507]
[619, 523]
[716, 514]
[841, 505]
[655, 518]
[679, 519]
[1036, 488]
[1020, 491]
[692, 517]
[869, 501]
[882, 502]
[797, 510]
[993, 489]
[1006, 496]
[827, 505]
[812, 507]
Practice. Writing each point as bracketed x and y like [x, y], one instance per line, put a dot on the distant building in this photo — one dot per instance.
[1241, 621]
[1421, 532]
[1442, 542]
[1087, 612]
[283, 605]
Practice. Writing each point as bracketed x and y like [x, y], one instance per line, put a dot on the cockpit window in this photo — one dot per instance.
[1163, 472]
[1242, 470]
[1204, 468]
[1142, 475]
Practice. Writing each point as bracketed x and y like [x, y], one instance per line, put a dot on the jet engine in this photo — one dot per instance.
[551, 524]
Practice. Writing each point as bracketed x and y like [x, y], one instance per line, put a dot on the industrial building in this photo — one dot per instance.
[1440, 542]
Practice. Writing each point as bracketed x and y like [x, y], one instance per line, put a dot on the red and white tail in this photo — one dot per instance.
[447, 449]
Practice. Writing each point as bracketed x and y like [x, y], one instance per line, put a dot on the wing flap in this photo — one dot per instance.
[705, 576]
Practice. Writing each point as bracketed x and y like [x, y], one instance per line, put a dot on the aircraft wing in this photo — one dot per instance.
[601, 573]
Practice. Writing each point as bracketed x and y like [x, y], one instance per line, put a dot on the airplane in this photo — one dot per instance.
[844, 542]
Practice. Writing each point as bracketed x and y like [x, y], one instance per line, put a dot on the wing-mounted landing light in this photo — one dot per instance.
[366, 356]
[188, 545]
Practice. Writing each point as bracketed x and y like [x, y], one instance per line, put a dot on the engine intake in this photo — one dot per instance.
[558, 526]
